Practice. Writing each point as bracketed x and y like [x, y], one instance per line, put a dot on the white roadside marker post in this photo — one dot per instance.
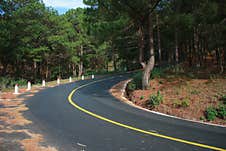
[83, 77]
[70, 80]
[58, 81]
[92, 76]
[43, 83]
[28, 86]
[16, 89]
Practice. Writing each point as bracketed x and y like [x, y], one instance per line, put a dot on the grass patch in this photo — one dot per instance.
[184, 103]
[155, 100]
[195, 92]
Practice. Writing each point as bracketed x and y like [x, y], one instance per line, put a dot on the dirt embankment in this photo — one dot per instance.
[14, 134]
[198, 93]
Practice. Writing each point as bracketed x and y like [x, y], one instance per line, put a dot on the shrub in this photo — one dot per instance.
[221, 111]
[131, 86]
[190, 75]
[223, 98]
[211, 113]
[6, 82]
[21, 82]
[137, 79]
[183, 103]
[195, 92]
[156, 73]
[155, 100]
[176, 103]
[141, 97]
[202, 118]
[136, 83]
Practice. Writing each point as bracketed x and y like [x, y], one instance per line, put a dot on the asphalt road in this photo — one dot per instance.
[68, 128]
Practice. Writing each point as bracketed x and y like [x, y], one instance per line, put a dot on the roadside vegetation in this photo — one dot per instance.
[191, 95]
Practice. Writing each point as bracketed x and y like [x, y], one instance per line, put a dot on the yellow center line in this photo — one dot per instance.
[131, 127]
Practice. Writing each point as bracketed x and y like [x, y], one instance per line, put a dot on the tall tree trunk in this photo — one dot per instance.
[219, 58]
[176, 46]
[159, 39]
[196, 42]
[141, 46]
[151, 61]
[114, 57]
[73, 70]
[35, 70]
[47, 72]
[189, 52]
[81, 62]
[224, 57]
[114, 63]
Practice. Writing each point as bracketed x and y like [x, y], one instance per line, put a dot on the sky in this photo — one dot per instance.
[63, 5]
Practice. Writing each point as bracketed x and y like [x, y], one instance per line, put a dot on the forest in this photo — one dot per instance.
[36, 42]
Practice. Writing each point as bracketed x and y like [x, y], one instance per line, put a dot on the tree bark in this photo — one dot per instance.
[35, 70]
[196, 42]
[159, 39]
[114, 58]
[219, 58]
[73, 70]
[81, 62]
[224, 57]
[47, 72]
[151, 62]
[114, 63]
[176, 46]
[141, 46]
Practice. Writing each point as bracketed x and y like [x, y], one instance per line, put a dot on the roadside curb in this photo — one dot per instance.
[123, 98]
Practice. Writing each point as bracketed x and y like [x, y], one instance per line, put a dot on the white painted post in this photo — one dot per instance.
[29, 85]
[43, 83]
[16, 89]
[83, 77]
[70, 80]
[92, 76]
[58, 81]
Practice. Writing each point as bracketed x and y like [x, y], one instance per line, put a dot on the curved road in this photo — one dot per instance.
[69, 128]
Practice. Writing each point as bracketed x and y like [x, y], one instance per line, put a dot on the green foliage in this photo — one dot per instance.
[155, 100]
[210, 113]
[6, 82]
[191, 75]
[131, 86]
[136, 82]
[157, 73]
[141, 97]
[176, 103]
[221, 111]
[223, 98]
[19, 82]
[195, 92]
[184, 103]
[137, 79]
[202, 118]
